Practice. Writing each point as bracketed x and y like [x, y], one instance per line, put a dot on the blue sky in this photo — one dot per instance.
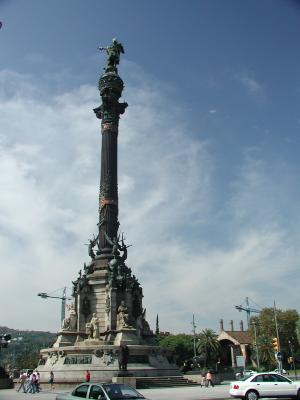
[208, 152]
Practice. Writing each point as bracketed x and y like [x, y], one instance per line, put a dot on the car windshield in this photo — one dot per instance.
[116, 391]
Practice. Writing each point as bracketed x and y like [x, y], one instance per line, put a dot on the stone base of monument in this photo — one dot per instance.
[65, 338]
[124, 374]
[127, 379]
[69, 364]
[125, 336]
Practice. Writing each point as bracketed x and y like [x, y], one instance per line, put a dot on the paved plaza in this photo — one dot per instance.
[181, 393]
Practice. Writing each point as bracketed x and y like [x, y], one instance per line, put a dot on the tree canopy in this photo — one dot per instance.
[181, 344]
[287, 322]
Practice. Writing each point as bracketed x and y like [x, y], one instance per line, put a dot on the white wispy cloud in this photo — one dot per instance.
[50, 164]
[251, 84]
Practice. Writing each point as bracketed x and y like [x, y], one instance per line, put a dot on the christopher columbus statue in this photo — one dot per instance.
[113, 55]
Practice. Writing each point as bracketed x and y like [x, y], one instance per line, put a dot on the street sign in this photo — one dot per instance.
[240, 361]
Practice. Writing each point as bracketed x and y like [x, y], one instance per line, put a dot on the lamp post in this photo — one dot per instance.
[194, 335]
[255, 339]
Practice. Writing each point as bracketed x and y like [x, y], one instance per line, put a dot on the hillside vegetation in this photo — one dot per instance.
[23, 349]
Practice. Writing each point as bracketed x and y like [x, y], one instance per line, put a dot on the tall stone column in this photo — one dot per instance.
[110, 87]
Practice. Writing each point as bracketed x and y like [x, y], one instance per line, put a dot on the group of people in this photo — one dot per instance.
[30, 383]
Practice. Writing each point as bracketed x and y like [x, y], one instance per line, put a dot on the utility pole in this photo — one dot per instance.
[278, 355]
[194, 334]
[255, 338]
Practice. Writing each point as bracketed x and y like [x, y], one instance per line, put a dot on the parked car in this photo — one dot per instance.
[244, 373]
[280, 372]
[267, 384]
[102, 391]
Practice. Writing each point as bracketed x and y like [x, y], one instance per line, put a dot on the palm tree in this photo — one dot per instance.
[208, 345]
[266, 351]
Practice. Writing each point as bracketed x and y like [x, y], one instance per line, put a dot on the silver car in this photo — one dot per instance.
[102, 391]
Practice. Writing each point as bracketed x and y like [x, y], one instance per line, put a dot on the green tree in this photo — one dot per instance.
[298, 330]
[287, 322]
[208, 346]
[181, 345]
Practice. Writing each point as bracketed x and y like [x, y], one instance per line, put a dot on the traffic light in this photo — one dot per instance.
[275, 344]
[290, 360]
[4, 340]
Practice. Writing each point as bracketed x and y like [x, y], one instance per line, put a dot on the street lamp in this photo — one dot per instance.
[255, 339]
[194, 335]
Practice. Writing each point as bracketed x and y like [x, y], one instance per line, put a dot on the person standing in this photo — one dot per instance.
[203, 380]
[209, 379]
[87, 376]
[51, 380]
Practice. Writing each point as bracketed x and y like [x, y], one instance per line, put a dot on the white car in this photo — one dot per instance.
[244, 374]
[266, 384]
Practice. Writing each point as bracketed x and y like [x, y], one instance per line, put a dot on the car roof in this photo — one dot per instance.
[264, 373]
[105, 384]
[260, 373]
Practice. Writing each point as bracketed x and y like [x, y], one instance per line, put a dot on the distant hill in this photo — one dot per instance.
[23, 349]
[27, 334]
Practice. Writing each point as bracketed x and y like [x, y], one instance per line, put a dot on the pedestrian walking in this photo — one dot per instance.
[87, 376]
[37, 382]
[32, 383]
[27, 383]
[209, 379]
[51, 380]
[22, 380]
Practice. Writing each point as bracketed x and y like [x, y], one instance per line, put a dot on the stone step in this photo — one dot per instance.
[163, 381]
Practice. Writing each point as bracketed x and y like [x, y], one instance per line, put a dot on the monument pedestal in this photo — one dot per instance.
[65, 338]
[126, 336]
[126, 379]
[70, 363]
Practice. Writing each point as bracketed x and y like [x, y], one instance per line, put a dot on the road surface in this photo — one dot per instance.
[180, 393]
